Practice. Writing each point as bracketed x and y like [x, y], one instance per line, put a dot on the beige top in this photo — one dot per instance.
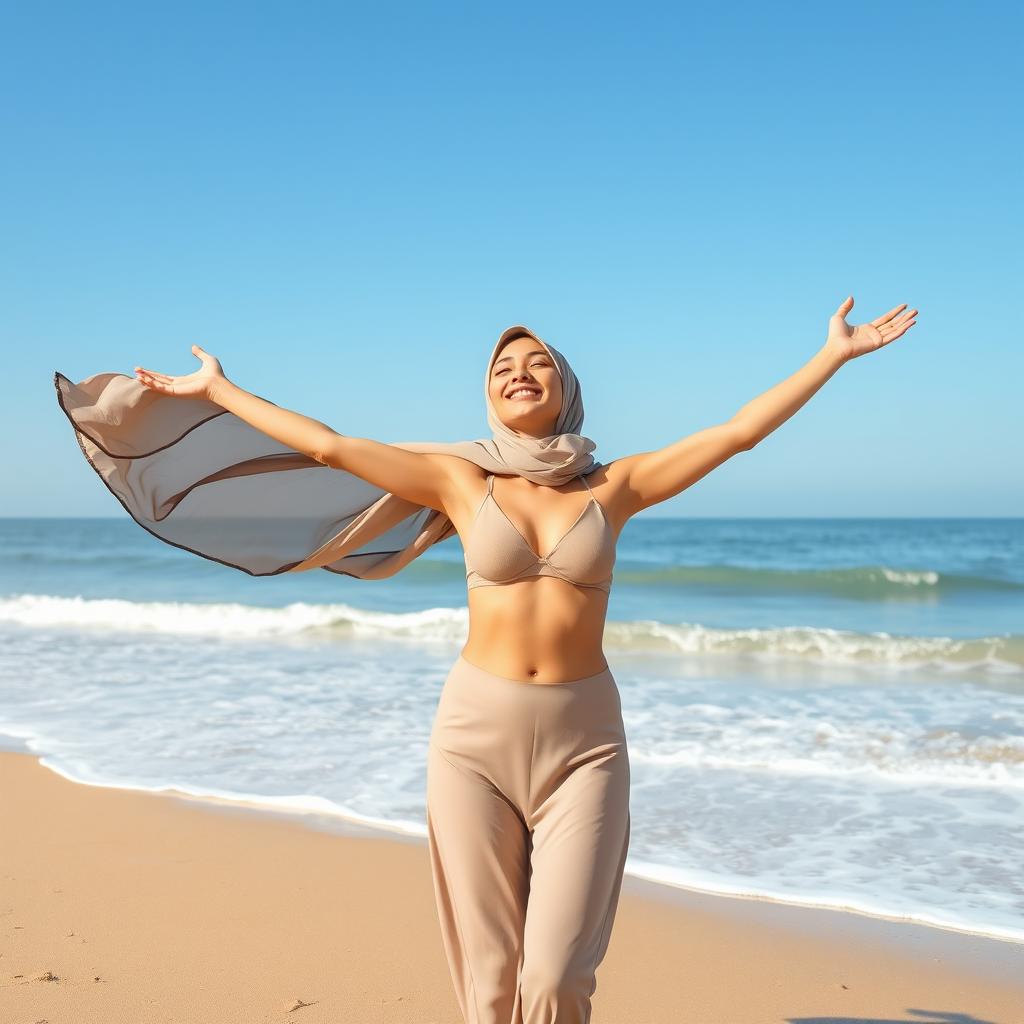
[496, 551]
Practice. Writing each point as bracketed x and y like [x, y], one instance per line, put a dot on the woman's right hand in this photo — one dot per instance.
[203, 383]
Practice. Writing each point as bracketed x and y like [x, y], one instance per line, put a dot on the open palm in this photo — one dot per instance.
[850, 342]
[200, 384]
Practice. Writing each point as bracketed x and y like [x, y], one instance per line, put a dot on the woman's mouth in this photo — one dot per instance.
[523, 394]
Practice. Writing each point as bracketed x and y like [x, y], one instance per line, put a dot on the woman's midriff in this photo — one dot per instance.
[538, 630]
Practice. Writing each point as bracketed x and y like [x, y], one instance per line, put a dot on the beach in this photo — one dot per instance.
[212, 787]
[120, 905]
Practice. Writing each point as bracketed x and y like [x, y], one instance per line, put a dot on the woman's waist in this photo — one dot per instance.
[542, 637]
[528, 662]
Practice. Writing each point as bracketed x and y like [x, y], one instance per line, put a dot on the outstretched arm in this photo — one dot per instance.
[651, 477]
[420, 477]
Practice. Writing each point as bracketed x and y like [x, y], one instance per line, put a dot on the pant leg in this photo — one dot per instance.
[580, 841]
[479, 856]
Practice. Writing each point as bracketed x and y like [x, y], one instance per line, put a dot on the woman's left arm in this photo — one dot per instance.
[651, 477]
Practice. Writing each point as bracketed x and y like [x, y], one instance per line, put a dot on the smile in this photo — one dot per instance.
[524, 392]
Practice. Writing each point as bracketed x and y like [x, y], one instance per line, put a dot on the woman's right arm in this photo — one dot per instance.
[420, 477]
[425, 478]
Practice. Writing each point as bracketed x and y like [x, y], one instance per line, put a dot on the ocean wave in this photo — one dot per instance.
[872, 582]
[1000, 655]
[997, 655]
[819, 749]
[229, 619]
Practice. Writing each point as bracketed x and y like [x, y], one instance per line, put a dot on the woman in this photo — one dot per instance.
[528, 771]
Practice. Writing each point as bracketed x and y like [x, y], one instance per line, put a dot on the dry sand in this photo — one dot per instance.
[124, 906]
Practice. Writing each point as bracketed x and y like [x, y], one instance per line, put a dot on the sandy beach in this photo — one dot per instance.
[119, 905]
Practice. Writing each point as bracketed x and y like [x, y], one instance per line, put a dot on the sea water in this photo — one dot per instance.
[818, 711]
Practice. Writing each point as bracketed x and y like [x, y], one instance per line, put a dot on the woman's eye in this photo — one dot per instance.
[505, 369]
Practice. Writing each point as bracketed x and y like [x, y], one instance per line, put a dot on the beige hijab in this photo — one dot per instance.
[198, 477]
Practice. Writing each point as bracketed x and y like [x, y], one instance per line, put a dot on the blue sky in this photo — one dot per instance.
[347, 204]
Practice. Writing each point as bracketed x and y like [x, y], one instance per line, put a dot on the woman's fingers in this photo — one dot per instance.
[154, 382]
[894, 331]
[902, 322]
[157, 376]
[886, 317]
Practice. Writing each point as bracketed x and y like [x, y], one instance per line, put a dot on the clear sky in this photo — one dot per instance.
[347, 203]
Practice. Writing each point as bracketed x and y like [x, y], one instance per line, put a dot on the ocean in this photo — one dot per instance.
[818, 711]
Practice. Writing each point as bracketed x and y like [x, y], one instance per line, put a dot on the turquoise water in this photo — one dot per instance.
[819, 711]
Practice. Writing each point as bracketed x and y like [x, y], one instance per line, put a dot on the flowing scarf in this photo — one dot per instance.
[200, 478]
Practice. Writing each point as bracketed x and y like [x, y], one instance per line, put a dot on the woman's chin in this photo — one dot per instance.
[529, 422]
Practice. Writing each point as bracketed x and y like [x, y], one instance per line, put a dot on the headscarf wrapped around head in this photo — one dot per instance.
[551, 460]
[202, 479]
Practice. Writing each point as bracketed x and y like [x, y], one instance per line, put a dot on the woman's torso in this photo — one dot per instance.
[536, 618]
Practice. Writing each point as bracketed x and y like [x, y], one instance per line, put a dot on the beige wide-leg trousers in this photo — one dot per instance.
[528, 827]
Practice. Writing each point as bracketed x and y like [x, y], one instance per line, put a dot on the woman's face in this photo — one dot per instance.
[525, 388]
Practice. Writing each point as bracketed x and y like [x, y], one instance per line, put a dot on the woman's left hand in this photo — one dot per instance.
[849, 342]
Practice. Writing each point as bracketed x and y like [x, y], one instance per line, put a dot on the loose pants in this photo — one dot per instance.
[528, 827]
